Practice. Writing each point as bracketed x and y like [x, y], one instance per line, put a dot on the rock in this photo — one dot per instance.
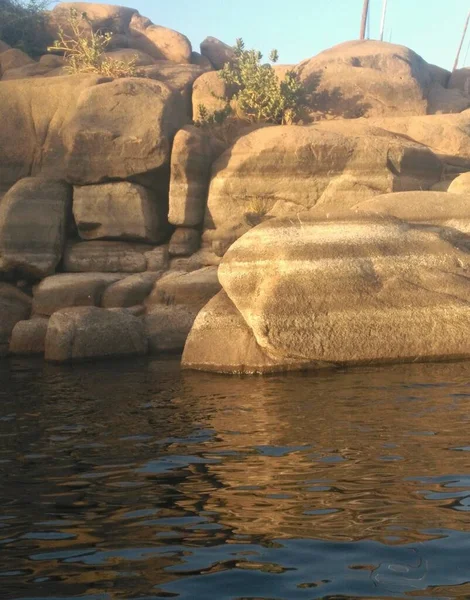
[127, 55]
[157, 259]
[460, 79]
[167, 327]
[184, 242]
[14, 306]
[444, 101]
[279, 170]
[343, 289]
[120, 211]
[460, 185]
[102, 17]
[53, 61]
[106, 257]
[160, 42]
[29, 337]
[210, 91]
[67, 290]
[439, 75]
[194, 151]
[217, 52]
[12, 59]
[33, 70]
[84, 333]
[201, 61]
[130, 291]
[4, 47]
[191, 289]
[441, 186]
[121, 129]
[367, 78]
[33, 226]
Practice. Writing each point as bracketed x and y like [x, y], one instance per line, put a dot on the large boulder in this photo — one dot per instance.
[460, 80]
[211, 92]
[4, 47]
[184, 241]
[349, 292]
[120, 211]
[367, 78]
[160, 42]
[130, 291]
[75, 334]
[280, 171]
[105, 18]
[35, 69]
[461, 185]
[110, 257]
[29, 337]
[15, 306]
[194, 151]
[121, 129]
[217, 52]
[13, 59]
[67, 290]
[129, 55]
[33, 226]
[167, 327]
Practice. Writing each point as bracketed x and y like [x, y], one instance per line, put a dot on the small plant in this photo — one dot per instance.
[261, 97]
[210, 119]
[23, 25]
[84, 50]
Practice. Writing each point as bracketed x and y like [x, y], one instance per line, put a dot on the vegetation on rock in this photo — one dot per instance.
[23, 25]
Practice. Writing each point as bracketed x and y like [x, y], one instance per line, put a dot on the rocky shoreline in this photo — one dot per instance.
[125, 228]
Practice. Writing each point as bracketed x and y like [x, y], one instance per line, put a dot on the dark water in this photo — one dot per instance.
[130, 480]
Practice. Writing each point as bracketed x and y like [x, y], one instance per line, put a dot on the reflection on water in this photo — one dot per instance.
[131, 480]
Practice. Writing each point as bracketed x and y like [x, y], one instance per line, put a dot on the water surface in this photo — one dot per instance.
[131, 480]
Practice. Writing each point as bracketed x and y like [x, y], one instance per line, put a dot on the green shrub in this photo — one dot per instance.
[84, 50]
[23, 25]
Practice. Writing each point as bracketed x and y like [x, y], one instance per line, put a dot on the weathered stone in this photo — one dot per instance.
[29, 337]
[190, 289]
[102, 17]
[121, 129]
[277, 171]
[217, 52]
[33, 226]
[210, 91]
[4, 47]
[67, 290]
[33, 70]
[84, 333]
[439, 75]
[201, 61]
[129, 55]
[157, 259]
[194, 151]
[130, 291]
[167, 327]
[106, 257]
[441, 186]
[53, 61]
[460, 79]
[119, 211]
[460, 185]
[14, 306]
[344, 288]
[12, 59]
[444, 101]
[160, 42]
[184, 241]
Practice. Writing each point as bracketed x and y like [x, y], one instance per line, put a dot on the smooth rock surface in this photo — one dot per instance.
[217, 52]
[160, 42]
[29, 337]
[190, 289]
[130, 291]
[106, 257]
[76, 334]
[184, 241]
[167, 327]
[461, 185]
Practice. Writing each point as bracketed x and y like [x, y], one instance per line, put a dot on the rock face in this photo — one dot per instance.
[121, 129]
[29, 337]
[210, 91]
[217, 52]
[75, 334]
[194, 151]
[368, 78]
[130, 291]
[119, 211]
[109, 257]
[33, 222]
[14, 306]
[184, 242]
[343, 289]
[278, 171]
[461, 185]
[13, 59]
[160, 42]
[103, 17]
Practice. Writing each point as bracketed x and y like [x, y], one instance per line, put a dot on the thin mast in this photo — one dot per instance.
[456, 64]
[382, 25]
[365, 14]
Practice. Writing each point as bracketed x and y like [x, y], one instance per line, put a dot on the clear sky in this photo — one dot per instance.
[301, 28]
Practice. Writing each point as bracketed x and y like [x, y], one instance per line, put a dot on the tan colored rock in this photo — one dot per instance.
[119, 211]
[67, 290]
[461, 185]
[29, 337]
[160, 42]
[53, 61]
[460, 79]
[121, 129]
[167, 327]
[130, 291]
[444, 101]
[278, 170]
[210, 91]
[14, 306]
[441, 186]
[12, 59]
[194, 151]
[190, 289]
[157, 259]
[184, 241]
[201, 61]
[217, 52]
[75, 334]
[343, 289]
[439, 75]
[103, 17]
[106, 257]
[33, 226]
[127, 55]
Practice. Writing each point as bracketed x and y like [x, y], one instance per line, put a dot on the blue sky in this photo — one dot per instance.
[301, 28]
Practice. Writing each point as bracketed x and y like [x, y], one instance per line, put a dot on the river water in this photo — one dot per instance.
[133, 480]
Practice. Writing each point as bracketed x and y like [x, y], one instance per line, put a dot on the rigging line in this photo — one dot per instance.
[466, 53]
